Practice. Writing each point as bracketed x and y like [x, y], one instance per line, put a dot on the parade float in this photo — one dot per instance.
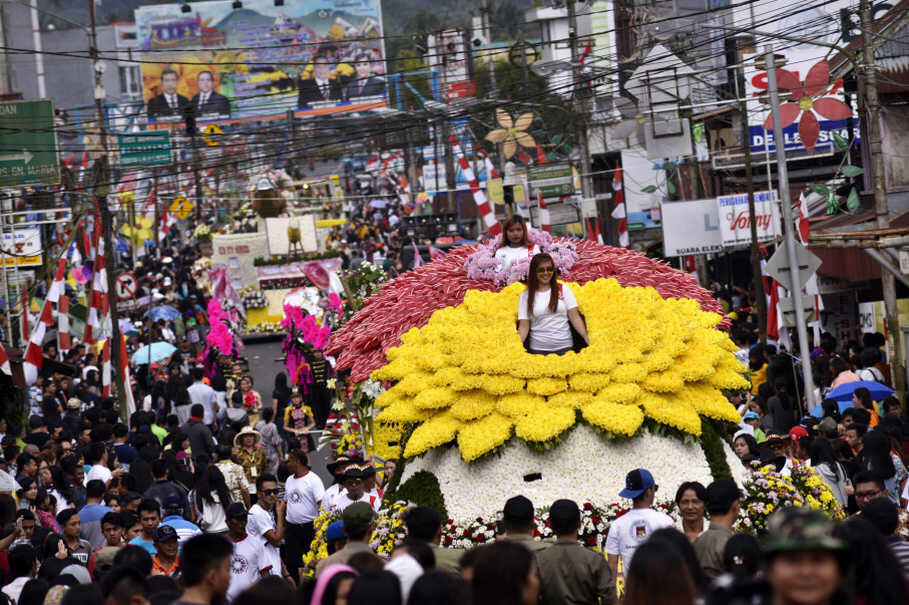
[475, 418]
[441, 382]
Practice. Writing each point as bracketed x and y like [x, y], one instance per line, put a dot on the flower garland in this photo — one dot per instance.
[648, 358]
[766, 490]
[483, 264]
[202, 233]
[408, 301]
[388, 534]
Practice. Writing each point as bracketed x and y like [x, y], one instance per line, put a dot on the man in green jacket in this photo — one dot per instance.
[570, 573]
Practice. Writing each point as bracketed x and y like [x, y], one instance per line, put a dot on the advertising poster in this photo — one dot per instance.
[691, 227]
[261, 60]
[818, 22]
[735, 220]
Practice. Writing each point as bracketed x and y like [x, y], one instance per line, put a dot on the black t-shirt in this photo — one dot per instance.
[38, 438]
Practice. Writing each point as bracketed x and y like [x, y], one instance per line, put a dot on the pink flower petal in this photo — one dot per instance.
[788, 112]
[832, 108]
[816, 80]
[808, 130]
[786, 80]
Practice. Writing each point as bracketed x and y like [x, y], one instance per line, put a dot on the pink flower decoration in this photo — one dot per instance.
[807, 99]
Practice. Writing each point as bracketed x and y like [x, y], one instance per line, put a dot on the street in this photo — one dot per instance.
[263, 356]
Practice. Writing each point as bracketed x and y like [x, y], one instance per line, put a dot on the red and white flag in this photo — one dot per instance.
[4, 362]
[105, 369]
[417, 259]
[56, 289]
[64, 339]
[34, 353]
[23, 317]
[618, 210]
[804, 225]
[543, 209]
[489, 217]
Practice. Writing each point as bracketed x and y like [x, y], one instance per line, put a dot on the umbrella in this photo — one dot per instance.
[818, 411]
[156, 351]
[165, 312]
[844, 391]
[378, 204]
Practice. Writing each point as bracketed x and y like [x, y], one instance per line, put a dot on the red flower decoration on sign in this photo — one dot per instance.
[807, 99]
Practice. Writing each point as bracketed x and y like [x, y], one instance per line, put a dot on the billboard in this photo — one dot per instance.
[735, 219]
[691, 227]
[261, 60]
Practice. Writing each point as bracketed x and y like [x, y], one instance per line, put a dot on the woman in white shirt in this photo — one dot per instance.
[547, 310]
[516, 245]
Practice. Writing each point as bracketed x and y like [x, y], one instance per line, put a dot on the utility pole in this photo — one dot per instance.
[487, 33]
[872, 119]
[579, 102]
[755, 250]
[795, 286]
[106, 218]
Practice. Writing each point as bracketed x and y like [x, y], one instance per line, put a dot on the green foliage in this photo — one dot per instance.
[649, 189]
[820, 190]
[841, 143]
[852, 202]
[852, 171]
[283, 260]
[422, 489]
[712, 444]
[670, 186]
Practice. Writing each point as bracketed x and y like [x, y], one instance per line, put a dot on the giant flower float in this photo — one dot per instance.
[477, 419]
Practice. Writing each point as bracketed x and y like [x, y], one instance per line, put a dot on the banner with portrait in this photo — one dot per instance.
[259, 61]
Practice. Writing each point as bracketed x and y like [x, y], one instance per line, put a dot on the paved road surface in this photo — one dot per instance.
[263, 366]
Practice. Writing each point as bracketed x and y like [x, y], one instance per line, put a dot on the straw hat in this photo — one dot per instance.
[246, 430]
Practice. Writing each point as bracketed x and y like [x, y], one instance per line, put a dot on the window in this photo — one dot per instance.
[130, 80]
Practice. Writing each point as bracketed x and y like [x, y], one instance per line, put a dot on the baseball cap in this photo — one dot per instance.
[163, 533]
[796, 528]
[827, 426]
[357, 517]
[721, 494]
[335, 531]
[636, 483]
[80, 572]
[797, 432]
[518, 510]
[751, 416]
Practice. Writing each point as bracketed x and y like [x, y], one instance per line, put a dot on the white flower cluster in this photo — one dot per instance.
[372, 388]
[585, 468]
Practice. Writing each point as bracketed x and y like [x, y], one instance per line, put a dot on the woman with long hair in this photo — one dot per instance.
[783, 407]
[333, 585]
[210, 498]
[516, 245]
[505, 573]
[746, 445]
[861, 399]
[832, 472]
[876, 457]
[876, 577]
[547, 310]
[659, 575]
[280, 398]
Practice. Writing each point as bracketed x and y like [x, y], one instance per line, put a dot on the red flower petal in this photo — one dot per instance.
[786, 80]
[832, 108]
[808, 130]
[816, 80]
[788, 112]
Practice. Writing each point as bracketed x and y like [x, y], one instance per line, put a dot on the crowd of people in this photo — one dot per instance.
[206, 493]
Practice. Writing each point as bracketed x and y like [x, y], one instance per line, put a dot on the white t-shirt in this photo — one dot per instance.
[261, 521]
[98, 471]
[199, 392]
[631, 530]
[303, 495]
[246, 565]
[342, 501]
[549, 331]
[510, 256]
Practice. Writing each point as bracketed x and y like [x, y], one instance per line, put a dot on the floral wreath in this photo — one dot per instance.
[483, 263]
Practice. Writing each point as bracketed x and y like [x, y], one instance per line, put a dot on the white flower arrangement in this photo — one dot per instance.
[585, 468]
